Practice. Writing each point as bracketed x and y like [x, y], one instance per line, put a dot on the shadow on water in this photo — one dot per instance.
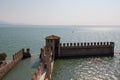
[36, 64]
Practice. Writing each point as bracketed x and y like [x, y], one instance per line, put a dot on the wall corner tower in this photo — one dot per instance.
[54, 42]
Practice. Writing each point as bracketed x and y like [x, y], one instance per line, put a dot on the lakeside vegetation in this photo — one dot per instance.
[2, 57]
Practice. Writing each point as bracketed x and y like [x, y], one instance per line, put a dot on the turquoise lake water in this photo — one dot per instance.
[15, 37]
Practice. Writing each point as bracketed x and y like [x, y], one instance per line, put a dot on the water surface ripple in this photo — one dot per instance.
[15, 37]
[105, 68]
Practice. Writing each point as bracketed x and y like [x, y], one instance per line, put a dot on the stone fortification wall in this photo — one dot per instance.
[39, 73]
[4, 69]
[18, 56]
[7, 66]
[45, 68]
[86, 49]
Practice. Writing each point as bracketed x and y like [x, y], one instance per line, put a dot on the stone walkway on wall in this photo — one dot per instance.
[44, 74]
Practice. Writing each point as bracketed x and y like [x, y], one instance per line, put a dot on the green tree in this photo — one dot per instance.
[3, 56]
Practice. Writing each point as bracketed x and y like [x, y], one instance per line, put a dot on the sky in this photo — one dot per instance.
[61, 12]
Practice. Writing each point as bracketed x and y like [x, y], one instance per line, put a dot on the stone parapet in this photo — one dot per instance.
[5, 68]
[87, 44]
[45, 68]
[86, 49]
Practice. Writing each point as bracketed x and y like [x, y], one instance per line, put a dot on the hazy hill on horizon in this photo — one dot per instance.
[4, 22]
[29, 25]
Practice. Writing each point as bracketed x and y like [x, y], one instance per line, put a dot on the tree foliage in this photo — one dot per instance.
[3, 56]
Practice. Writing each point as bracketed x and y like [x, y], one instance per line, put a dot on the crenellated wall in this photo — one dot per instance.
[45, 68]
[86, 49]
[39, 72]
[7, 66]
[54, 49]
[87, 44]
[18, 56]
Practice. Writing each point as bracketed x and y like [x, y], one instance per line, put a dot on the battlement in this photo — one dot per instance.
[26, 54]
[46, 54]
[86, 49]
[17, 57]
[87, 44]
[79, 49]
[46, 51]
[46, 65]
[54, 50]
